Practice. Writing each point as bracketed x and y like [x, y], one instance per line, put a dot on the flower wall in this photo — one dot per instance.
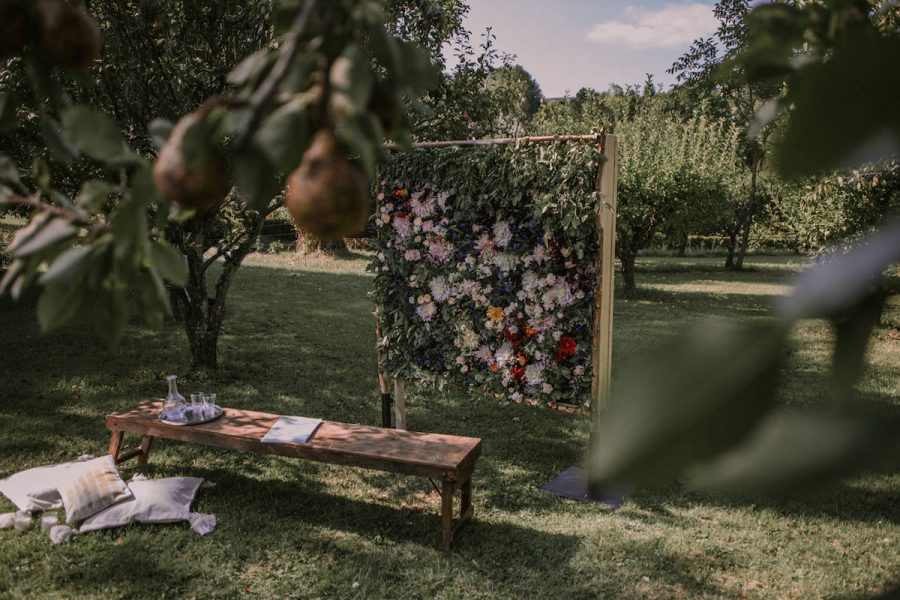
[485, 268]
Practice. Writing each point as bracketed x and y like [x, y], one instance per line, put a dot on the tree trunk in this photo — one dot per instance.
[745, 239]
[205, 349]
[730, 245]
[307, 244]
[682, 245]
[202, 314]
[628, 272]
[747, 220]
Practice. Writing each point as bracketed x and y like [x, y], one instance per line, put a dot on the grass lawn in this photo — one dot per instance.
[299, 340]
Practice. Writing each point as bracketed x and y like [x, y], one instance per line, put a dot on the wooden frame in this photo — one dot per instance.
[605, 191]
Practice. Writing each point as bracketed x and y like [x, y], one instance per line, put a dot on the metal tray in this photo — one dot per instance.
[193, 418]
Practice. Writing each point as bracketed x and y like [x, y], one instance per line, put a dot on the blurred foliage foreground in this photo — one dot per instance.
[704, 410]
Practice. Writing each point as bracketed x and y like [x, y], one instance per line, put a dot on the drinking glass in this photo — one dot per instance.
[209, 404]
[197, 404]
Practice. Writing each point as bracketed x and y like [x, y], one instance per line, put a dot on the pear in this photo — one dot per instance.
[12, 28]
[327, 196]
[68, 36]
[202, 186]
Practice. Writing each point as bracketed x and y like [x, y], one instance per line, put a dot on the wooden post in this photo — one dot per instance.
[383, 385]
[603, 292]
[399, 404]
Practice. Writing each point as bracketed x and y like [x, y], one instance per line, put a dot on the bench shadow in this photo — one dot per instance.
[370, 530]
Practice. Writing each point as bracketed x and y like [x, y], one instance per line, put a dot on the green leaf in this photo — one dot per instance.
[420, 73]
[793, 451]
[12, 274]
[58, 304]
[197, 142]
[845, 109]
[8, 105]
[169, 261]
[112, 312]
[154, 298]
[160, 130]
[385, 47]
[8, 171]
[56, 140]
[688, 403]
[6, 196]
[96, 134]
[256, 178]
[251, 67]
[284, 135]
[143, 189]
[67, 266]
[56, 230]
[93, 195]
[351, 131]
[129, 225]
[41, 174]
[853, 332]
[842, 281]
[301, 75]
[351, 74]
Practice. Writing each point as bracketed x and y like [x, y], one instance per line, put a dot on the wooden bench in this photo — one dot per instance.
[449, 458]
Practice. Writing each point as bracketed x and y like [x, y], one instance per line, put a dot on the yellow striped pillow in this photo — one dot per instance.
[92, 488]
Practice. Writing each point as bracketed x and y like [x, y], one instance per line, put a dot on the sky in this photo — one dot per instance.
[570, 44]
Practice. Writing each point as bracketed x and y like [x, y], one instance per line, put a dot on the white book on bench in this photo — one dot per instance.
[291, 430]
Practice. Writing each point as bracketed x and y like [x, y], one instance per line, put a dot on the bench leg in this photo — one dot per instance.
[115, 444]
[144, 456]
[447, 490]
[465, 505]
[142, 452]
[449, 525]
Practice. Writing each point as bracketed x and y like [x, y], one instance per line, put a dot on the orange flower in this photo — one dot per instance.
[530, 331]
[401, 193]
[494, 367]
[522, 359]
[495, 313]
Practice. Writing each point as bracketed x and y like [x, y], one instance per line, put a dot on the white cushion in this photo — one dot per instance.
[95, 486]
[37, 489]
[154, 501]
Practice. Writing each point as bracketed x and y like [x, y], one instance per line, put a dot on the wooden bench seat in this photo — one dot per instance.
[449, 458]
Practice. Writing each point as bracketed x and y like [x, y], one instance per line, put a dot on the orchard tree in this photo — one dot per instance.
[307, 109]
[672, 171]
[518, 96]
[460, 105]
[587, 111]
[708, 74]
[825, 211]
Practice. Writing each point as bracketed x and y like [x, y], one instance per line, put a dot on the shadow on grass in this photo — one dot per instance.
[732, 304]
[276, 514]
[716, 264]
[843, 501]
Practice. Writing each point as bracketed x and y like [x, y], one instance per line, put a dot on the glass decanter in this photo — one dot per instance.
[173, 407]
